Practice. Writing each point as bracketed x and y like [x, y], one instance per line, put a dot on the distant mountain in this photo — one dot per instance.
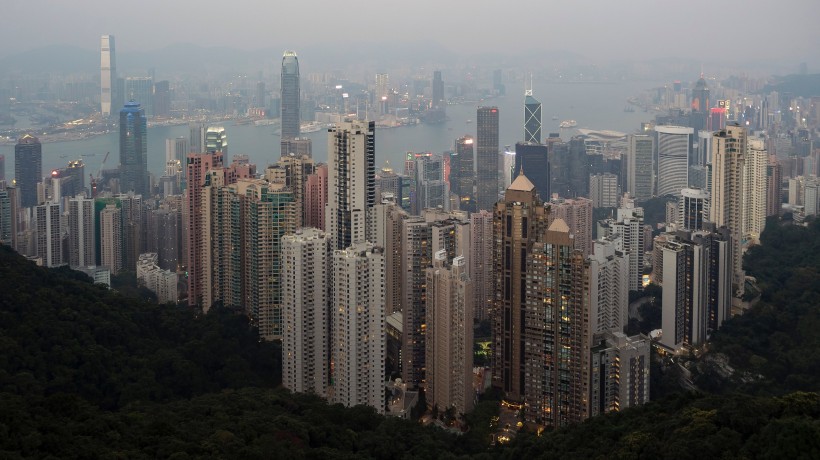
[64, 59]
[797, 85]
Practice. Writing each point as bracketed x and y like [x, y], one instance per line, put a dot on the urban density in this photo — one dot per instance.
[506, 259]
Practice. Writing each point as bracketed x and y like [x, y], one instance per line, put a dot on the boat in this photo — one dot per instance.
[602, 134]
[312, 127]
[568, 124]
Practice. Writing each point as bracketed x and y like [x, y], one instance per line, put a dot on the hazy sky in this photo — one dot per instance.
[598, 29]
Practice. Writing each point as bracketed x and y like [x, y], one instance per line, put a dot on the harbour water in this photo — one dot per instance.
[593, 105]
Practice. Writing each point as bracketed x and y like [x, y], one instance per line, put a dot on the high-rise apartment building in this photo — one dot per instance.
[518, 222]
[111, 238]
[297, 146]
[351, 182]
[486, 157]
[49, 234]
[481, 263]
[449, 340]
[108, 75]
[608, 287]
[81, 232]
[674, 143]
[387, 233]
[133, 239]
[619, 372]
[628, 224]
[577, 214]
[555, 330]
[306, 307]
[727, 206]
[316, 198]
[290, 97]
[358, 326]
[28, 169]
[641, 169]
[293, 171]
[693, 209]
[532, 121]
[134, 149]
[774, 185]
[755, 190]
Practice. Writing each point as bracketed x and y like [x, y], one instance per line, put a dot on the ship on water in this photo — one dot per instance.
[568, 124]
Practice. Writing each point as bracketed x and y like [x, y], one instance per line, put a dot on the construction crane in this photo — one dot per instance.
[96, 178]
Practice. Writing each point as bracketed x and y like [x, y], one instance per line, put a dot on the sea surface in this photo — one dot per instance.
[592, 105]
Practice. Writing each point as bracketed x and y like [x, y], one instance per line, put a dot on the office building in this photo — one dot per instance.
[306, 307]
[162, 99]
[640, 166]
[49, 234]
[577, 214]
[486, 143]
[196, 138]
[604, 190]
[108, 75]
[28, 169]
[556, 336]
[534, 160]
[693, 209]
[481, 263]
[532, 121]
[216, 140]
[358, 326]
[449, 340]
[438, 101]
[134, 149]
[140, 90]
[608, 287]
[111, 238]
[462, 173]
[619, 372]
[519, 221]
[700, 105]
[674, 143]
[432, 188]
[290, 97]
[161, 282]
[351, 182]
[81, 232]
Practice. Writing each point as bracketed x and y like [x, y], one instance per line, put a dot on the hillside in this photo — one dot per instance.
[87, 373]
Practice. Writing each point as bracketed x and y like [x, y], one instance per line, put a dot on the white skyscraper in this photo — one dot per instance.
[357, 327]
[729, 157]
[306, 334]
[608, 287]
[754, 190]
[108, 75]
[604, 190]
[640, 166]
[449, 341]
[351, 182]
[81, 232]
[49, 236]
[674, 143]
[629, 226]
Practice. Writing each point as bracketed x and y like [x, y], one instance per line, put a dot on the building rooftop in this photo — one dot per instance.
[522, 184]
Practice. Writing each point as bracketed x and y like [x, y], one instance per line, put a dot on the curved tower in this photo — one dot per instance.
[290, 96]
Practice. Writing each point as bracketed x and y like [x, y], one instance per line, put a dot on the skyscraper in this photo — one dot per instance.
[608, 287]
[700, 105]
[28, 168]
[358, 325]
[577, 214]
[604, 190]
[216, 140]
[134, 149]
[481, 262]
[141, 89]
[640, 167]
[438, 90]
[532, 120]
[351, 182]
[754, 190]
[729, 158]
[462, 172]
[432, 190]
[534, 159]
[619, 372]
[518, 222]
[486, 157]
[449, 341]
[108, 75]
[290, 96]
[81, 231]
[306, 310]
[316, 198]
[111, 238]
[198, 164]
[629, 225]
[293, 171]
[555, 336]
[49, 234]
[674, 143]
[693, 209]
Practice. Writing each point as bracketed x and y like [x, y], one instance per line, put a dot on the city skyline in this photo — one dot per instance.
[567, 26]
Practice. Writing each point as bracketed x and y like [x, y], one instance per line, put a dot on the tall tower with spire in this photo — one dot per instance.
[532, 117]
[290, 99]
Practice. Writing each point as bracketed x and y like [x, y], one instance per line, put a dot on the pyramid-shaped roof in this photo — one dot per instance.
[522, 184]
